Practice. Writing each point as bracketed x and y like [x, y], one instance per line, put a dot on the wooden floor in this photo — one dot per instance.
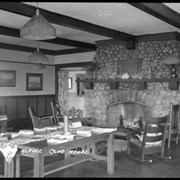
[125, 166]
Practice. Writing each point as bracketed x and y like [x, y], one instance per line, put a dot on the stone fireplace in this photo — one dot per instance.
[157, 95]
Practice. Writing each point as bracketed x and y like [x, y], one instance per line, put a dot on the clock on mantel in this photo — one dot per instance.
[141, 83]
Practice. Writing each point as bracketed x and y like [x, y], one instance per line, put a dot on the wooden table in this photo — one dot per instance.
[41, 170]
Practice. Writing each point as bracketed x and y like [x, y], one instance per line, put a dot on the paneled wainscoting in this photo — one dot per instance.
[16, 108]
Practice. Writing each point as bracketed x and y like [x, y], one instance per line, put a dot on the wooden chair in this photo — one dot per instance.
[40, 122]
[126, 115]
[174, 124]
[150, 141]
[57, 117]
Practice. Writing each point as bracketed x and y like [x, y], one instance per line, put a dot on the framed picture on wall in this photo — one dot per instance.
[7, 78]
[34, 82]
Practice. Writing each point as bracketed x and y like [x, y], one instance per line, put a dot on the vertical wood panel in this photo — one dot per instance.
[49, 99]
[33, 103]
[22, 107]
[45, 104]
[41, 106]
[16, 108]
[11, 108]
[2, 104]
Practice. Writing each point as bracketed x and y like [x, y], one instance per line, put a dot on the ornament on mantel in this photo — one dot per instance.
[125, 76]
[173, 73]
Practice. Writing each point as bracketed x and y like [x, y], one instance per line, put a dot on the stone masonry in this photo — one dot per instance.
[158, 95]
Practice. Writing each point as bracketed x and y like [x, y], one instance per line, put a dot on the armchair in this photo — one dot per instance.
[151, 140]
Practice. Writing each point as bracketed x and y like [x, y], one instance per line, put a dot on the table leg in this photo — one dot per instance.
[66, 153]
[5, 168]
[94, 150]
[38, 165]
[110, 154]
[17, 161]
[9, 168]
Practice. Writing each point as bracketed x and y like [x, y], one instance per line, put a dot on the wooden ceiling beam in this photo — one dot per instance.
[77, 64]
[160, 11]
[60, 41]
[55, 18]
[24, 48]
[45, 51]
[71, 51]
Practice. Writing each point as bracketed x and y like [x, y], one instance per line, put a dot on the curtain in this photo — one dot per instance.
[63, 91]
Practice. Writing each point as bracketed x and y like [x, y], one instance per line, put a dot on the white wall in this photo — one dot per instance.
[72, 58]
[21, 70]
[48, 74]
[20, 56]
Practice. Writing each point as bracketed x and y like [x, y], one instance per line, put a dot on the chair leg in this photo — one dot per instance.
[177, 138]
[169, 140]
[142, 157]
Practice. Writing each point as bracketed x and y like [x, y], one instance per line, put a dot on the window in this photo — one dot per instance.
[70, 82]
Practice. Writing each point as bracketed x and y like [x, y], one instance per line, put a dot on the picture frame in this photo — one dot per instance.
[34, 82]
[7, 78]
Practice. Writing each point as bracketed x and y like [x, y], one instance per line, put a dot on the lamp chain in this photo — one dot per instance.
[37, 11]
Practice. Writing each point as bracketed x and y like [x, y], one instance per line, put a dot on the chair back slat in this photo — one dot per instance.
[154, 138]
[155, 129]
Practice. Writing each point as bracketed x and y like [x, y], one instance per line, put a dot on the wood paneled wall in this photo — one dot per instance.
[16, 108]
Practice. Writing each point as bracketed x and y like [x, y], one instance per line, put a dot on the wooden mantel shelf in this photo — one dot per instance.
[130, 80]
[141, 83]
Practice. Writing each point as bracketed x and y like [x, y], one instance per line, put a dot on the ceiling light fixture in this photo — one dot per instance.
[39, 59]
[38, 28]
